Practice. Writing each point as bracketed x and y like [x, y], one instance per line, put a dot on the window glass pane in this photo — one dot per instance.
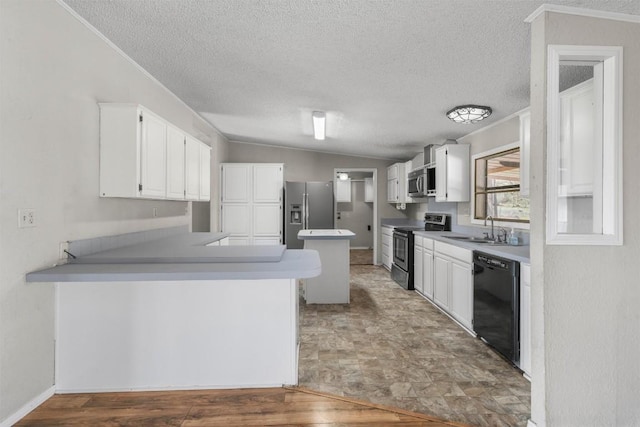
[480, 206]
[481, 174]
[508, 206]
[504, 170]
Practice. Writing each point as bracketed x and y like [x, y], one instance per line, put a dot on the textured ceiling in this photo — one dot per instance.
[384, 71]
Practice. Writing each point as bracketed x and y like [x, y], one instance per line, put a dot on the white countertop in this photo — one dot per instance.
[326, 234]
[184, 257]
[516, 253]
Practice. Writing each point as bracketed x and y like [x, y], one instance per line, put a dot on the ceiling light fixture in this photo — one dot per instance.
[319, 118]
[343, 176]
[469, 113]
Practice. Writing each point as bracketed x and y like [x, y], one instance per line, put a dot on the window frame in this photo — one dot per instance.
[523, 225]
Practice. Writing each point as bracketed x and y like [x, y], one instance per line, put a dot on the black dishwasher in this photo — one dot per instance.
[496, 303]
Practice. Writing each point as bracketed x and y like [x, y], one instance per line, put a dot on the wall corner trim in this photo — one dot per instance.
[28, 407]
[580, 11]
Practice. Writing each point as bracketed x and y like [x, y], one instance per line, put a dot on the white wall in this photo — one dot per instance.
[54, 72]
[586, 299]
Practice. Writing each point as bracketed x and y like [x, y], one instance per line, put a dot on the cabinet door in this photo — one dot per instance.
[267, 220]
[368, 189]
[236, 183]
[264, 241]
[441, 282]
[392, 171]
[236, 219]
[205, 173]
[175, 163]
[441, 174]
[192, 168]
[580, 156]
[153, 150]
[392, 190]
[418, 275]
[238, 241]
[267, 183]
[462, 294]
[427, 273]
[343, 190]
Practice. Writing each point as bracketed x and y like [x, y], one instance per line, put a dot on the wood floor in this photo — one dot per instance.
[244, 407]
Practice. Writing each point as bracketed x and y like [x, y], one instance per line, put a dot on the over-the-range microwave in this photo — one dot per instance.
[422, 182]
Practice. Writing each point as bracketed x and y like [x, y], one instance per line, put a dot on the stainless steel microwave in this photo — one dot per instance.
[417, 183]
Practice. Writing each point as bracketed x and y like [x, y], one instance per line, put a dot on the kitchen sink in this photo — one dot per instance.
[473, 239]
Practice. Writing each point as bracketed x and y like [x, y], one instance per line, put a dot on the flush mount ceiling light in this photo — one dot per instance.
[343, 176]
[469, 113]
[319, 118]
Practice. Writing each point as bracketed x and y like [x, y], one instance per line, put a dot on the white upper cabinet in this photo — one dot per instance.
[397, 183]
[452, 173]
[192, 167]
[204, 173]
[343, 190]
[577, 142]
[175, 163]
[144, 156]
[153, 151]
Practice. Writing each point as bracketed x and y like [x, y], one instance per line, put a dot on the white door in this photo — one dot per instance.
[368, 189]
[441, 174]
[427, 273]
[462, 294]
[236, 219]
[153, 171]
[267, 183]
[205, 173]
[175, 163]
[441, 282]
[236, 183]
[192, 168]
[267, 220]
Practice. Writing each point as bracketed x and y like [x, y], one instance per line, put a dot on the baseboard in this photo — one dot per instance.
[28, 407]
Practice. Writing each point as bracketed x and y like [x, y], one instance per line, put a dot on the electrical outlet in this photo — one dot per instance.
[26, 218]
[64, 246]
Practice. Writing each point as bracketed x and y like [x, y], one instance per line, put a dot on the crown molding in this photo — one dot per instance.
[580, 11]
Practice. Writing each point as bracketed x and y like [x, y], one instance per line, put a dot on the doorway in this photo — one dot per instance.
[356, 210]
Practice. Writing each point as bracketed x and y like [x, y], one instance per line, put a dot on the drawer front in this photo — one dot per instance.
[464, 255]
[427, 243]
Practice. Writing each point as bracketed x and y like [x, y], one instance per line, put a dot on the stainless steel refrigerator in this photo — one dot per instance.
[308, 205]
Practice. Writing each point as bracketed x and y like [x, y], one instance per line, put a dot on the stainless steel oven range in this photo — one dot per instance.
[402, 268]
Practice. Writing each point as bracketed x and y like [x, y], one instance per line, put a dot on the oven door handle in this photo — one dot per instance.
[419, 184]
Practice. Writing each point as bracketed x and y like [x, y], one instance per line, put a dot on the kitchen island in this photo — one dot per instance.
[332, 285]
[174, 314]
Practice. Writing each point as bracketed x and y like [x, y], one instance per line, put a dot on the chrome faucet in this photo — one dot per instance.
[491, 236]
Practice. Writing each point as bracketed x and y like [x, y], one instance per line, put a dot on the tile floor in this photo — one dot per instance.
[391, 346]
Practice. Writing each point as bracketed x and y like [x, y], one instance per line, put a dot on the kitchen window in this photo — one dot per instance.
[497, 187]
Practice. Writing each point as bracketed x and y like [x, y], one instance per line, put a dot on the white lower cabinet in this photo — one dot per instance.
[525, 318]
[443, 274]
[387, 247]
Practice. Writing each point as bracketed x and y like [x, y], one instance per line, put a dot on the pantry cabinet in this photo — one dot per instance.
[251, 202]
[452, 173]
[144, 156]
